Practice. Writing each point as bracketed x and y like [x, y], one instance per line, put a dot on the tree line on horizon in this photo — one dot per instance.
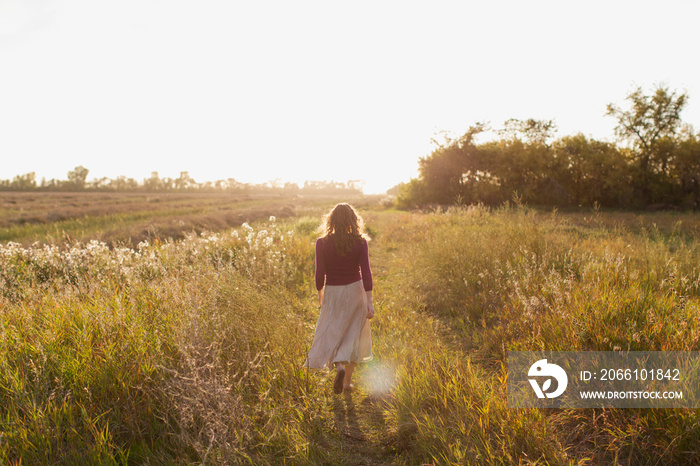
[655, 163]
[77, 181]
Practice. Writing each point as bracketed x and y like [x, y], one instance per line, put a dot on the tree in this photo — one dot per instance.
[442, 172]
[650, 119]
[122, 183]
[592, 171]
[77, 177]
[685, 171]
[154, 183]
[651, 124]
[24, 182]
[533, 131]
[185, 181]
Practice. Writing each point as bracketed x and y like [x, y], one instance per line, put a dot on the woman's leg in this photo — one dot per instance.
[339, 377]
[349, 367]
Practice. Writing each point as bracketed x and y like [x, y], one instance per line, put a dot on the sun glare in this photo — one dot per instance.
[313, 91]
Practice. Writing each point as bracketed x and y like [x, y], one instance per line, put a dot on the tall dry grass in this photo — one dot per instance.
[489, 281]
[182, 352]
[190, 351]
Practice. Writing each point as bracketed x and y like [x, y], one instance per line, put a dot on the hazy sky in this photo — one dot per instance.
[318, 90]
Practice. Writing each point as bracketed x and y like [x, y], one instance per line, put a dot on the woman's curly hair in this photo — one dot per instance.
[344, 226]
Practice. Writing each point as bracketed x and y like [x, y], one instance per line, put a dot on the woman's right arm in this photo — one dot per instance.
[320, 270]
[366, 273]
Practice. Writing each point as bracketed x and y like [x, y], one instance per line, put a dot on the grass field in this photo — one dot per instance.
[26, 217]
[190, 351]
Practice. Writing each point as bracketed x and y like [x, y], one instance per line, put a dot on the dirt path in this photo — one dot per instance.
[361, 430]
[361, 435]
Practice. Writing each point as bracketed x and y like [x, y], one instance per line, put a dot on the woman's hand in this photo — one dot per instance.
[370, 310]
[320, 297]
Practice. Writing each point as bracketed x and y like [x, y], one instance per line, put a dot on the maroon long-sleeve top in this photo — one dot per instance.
[333, 269]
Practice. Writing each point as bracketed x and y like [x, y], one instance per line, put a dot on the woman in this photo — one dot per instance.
[344, 284]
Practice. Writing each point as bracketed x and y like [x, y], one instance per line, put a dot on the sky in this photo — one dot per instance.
[316, 90]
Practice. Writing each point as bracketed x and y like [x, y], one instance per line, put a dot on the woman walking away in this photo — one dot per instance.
[344, 284]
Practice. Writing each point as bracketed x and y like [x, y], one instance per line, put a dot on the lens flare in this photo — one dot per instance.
[380, 378]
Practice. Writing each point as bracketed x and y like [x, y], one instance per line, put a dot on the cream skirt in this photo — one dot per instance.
[342, 331]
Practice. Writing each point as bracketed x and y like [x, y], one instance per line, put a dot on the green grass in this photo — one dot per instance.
[191, 351]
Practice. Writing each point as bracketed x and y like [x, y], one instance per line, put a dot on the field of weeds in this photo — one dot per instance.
[26, 217]
[488, 281]
[190, 351]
